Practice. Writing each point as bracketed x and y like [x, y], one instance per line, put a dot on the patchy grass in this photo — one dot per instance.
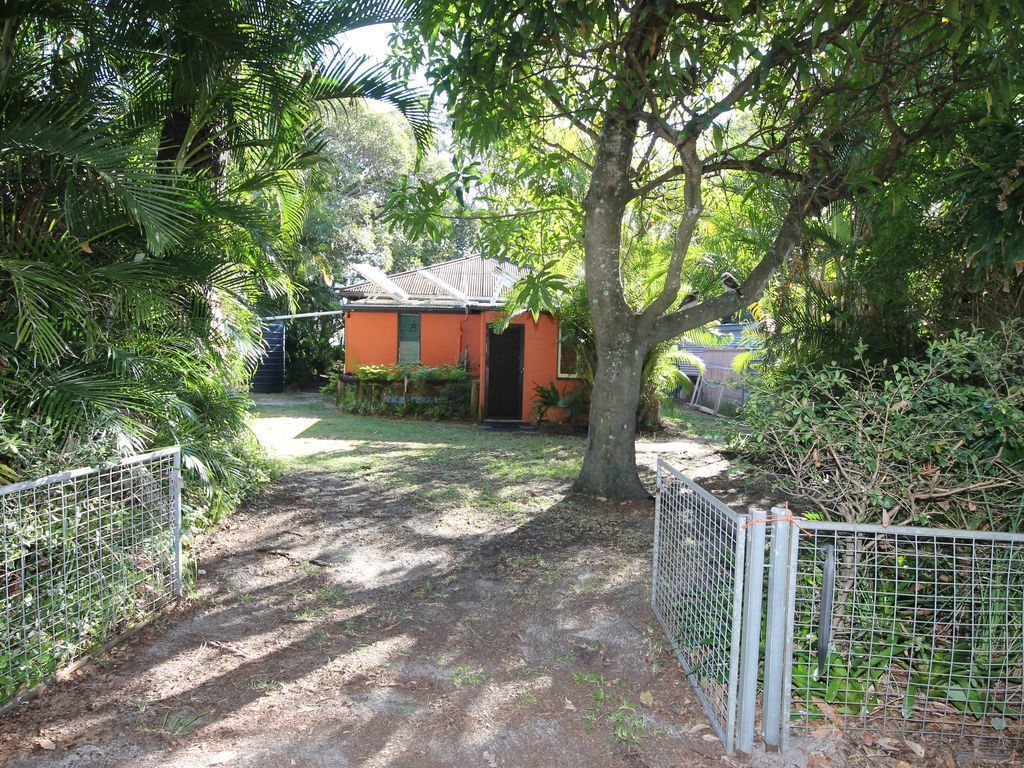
[609, 705]
[471, 677]
[490, 472]
[440, 576]
[689, 421]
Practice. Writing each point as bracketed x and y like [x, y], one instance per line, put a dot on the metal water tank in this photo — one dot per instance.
[269, 375]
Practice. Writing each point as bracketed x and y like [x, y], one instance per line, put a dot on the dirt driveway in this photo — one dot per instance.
[406, 594]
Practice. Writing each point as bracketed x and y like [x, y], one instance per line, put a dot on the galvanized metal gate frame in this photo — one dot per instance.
[726, 730]
[782, 635]
[86, 494]
[689, 542]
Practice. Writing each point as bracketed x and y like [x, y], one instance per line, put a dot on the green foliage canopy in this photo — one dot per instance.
[673, 107]
[154, 169]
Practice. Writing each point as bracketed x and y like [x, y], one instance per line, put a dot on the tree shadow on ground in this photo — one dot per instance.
[393, 602]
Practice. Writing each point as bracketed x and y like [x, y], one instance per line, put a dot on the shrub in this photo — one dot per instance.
[380, 374]
[439, 373]
[938, 440]
[441, 392]
[330, 388]
[574, 402]
[545, 397]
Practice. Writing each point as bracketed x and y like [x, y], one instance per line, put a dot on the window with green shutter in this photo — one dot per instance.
[408, 339]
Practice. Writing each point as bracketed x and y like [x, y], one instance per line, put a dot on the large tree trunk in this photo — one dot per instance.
[609, 466]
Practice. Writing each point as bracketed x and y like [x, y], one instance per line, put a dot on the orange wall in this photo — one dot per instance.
[371, 338]
[443, 337]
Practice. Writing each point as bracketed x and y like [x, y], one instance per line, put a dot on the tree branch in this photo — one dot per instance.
[802, 206]
[694, 206]
[657, 181]
[752, 166]
[777, 55]
[499, 216]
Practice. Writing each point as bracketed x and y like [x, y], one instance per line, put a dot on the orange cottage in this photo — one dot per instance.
[442, 314]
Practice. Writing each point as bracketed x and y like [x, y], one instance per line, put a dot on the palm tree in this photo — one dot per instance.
[155, 168]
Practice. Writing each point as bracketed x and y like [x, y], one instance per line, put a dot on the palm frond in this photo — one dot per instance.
[350, 77]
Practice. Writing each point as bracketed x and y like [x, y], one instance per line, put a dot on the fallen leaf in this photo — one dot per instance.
[821, 733]
[818, 760]
[569, 705]
[647, 699]
[868, 738]
[916, 748]
[698, 727]
[46, 744]
[709, 737]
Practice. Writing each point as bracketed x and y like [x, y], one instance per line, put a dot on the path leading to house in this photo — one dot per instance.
[406, 594]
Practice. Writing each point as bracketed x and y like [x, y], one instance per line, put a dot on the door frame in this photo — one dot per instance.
[519, 379]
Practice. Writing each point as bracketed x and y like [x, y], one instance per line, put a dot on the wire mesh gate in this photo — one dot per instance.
[917, 632]
[913, 631]
[83, 555]
[696, 591]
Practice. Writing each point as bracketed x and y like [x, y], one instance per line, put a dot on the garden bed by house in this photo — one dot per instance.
[441, 393]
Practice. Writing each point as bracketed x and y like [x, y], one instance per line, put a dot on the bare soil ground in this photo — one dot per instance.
[406, 594]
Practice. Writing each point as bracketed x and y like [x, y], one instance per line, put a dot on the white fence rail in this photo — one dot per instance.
[83, 556]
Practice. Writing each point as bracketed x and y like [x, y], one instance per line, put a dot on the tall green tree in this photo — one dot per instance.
[937, 249]
[808, 102]
[367, 150]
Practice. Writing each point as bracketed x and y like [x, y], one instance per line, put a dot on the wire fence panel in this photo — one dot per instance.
[696, 591]
[720, 390]
[84, 555]
[914, 631]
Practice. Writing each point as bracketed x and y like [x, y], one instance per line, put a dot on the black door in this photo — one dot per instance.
[505, 374]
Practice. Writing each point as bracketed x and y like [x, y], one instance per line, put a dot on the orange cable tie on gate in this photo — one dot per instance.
[786, 519]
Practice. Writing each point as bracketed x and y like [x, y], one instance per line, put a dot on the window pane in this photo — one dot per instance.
[567, 361]
[408, 339]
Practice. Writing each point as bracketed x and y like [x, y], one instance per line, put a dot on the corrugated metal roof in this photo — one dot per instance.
[484, 280]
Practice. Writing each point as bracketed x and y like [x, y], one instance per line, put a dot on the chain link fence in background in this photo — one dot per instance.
[911, 632]
[697, 574]
[84, 555]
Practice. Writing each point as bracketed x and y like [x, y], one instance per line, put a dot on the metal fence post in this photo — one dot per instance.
[657, 537]
[750, 647]
[776, 630]
[176, 481]
[790, 627]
